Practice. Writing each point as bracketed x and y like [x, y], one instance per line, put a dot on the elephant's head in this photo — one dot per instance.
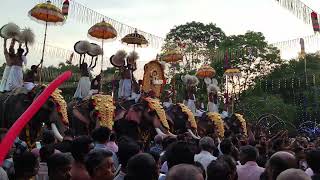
[211, 124]
[236, 124]
[183, 120]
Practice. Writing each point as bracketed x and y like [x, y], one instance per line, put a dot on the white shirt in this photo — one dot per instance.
[309, 172]
[249, 171]
[204, 158]
[3, 174]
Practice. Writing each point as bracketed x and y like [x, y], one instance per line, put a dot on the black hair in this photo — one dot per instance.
[113, 137]
[313, 160]
[24, 163]
[80, 148]
[155, 155]
[101, 135]
[127, 149]
[218, 170]
[48, 137]
[143, 167]
[179, 153]
[226, 146]
[250, 153]
[279, 164]
[95, 158]
[45, 152]
[69, 132]
[166, 142]
[57, 161]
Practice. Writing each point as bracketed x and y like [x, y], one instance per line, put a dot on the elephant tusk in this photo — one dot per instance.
[173, 135]
[159, 132]
[56, 132]
[193, 135]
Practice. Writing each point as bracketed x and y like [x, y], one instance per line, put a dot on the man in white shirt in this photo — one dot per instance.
[249, 170]
[205, 156]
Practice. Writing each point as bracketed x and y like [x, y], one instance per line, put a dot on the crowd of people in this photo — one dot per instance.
[103, 155]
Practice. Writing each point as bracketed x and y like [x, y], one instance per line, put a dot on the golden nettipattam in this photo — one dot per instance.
[155, 105]
[191, 118]
[218, 122]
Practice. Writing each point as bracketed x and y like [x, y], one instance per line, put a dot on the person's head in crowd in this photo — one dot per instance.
[112, 137]
[143, 167]
[26, 165]
[217, 170]
[68, 135]
[45, 152]
[59, 167]
[278, 145]
[99, 164]
[47, 138]
[226, 146]
[232, 164]
[207, 144]
[168, 141]
[248, 153]
[263, 140]
[127, 149]
[158, 139]
[184, 172]
[81, 146]
[293, 174]
[313, 160]
[101, 135]
[201, 168]
[279, 162]
[156, 157]
[179, 153]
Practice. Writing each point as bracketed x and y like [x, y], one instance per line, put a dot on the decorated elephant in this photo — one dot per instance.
[52, 114]
[211, 124]
[142, 121]
[90, 113]
[236, 125]
[182, 120]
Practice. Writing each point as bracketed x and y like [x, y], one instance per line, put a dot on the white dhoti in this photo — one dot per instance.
[192, 106]
[29, 85]
[83, 88]
[4, 80]
[126, 88]
[212, 107]
[15, 78]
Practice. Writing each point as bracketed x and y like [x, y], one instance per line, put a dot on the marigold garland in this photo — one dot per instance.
[62, 105]
[242, 122]
[104, 107]
[191, 118]
[155, 105]
[218, 122]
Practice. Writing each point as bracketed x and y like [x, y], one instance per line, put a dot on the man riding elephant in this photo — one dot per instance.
[53, 113]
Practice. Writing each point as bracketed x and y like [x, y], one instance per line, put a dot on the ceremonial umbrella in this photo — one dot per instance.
[172, 57]
[103, 31]
[206, 71]
[135, 39]
[49, 14]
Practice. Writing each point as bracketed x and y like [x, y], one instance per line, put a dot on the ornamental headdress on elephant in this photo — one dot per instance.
[153, 78]
[237, 124]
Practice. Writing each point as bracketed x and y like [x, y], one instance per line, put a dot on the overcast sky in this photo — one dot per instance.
[159, 16]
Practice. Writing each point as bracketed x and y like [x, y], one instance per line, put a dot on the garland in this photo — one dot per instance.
[218, 123]
[155, 105]
[298, 8]
[85, 15]
[191, 118]
[104, 109]
[62, 105]
[243, 123]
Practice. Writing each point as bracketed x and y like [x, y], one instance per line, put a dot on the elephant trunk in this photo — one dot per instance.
[56, 132]
[193, 135]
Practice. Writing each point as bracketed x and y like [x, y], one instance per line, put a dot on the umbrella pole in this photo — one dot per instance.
[43, 49]
[101, 66]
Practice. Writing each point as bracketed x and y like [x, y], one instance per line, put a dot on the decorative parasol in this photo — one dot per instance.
[103, 31]
[232, 72]
[135, 39]
[49, 14]
[172, 57]
[206, 71]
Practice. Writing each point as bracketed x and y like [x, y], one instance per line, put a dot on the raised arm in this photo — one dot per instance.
[27, 49]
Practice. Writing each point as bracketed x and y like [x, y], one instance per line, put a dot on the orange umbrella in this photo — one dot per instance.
[49, 14]
[172, 57]
[135, 39]
[103, 31]
[206, 71]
